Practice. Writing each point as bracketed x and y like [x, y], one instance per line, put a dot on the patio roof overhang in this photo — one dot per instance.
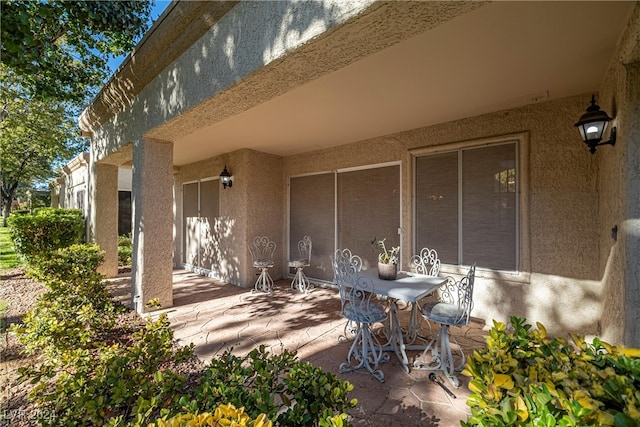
[469, 59]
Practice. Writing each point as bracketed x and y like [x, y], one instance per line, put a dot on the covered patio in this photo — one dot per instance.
[447, 125]
[216, 316]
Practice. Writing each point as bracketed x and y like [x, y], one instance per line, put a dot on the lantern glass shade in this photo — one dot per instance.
[593, 123]
[592, 131]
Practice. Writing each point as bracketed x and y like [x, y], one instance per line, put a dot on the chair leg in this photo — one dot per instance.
[350, 329]
[441, 358]
[264, 282]
[300, 281]
[365, 352]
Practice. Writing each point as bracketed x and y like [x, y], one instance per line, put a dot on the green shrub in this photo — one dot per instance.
[45, 231]
[72, 265]
[289, 392]
[124, 250]
[77, 307]
[9, 258]
[90, 372]
[121, 385]
[524, 378]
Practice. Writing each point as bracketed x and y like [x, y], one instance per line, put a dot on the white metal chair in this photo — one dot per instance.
[427, 262]
[453, 309]
[262, 249]
[356, 293]
[300, 282]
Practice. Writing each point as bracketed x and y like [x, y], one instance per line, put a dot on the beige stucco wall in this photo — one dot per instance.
[252, 207]
[563, 288]
[152, 198]
[619, 193]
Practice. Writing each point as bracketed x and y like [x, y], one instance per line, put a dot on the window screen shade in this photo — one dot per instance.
[200, 209]
[209, 211]
[473, 220]
[489, 209]
[312, 213]
[368, 208]
[124, 213]
[190, 222]
[437, 205]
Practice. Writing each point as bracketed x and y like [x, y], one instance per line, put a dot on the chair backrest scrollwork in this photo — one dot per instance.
[356, 290]
[427, 262]
[346, 267]
[304, 249]
[262, 248]
[460, 293]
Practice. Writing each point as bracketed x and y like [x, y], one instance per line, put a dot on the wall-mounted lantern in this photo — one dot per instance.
[592, 125]
[225, 178]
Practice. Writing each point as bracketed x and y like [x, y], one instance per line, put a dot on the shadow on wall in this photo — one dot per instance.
[563, 305]
[220, 253]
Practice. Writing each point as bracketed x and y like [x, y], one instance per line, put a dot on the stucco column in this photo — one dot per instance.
[630, 228]
[104, 215]
[152, 205]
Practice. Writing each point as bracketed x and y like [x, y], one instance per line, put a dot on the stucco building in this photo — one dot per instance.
[440, 124]
[70, 190]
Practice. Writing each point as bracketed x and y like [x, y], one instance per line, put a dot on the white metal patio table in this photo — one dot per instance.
[410, 288]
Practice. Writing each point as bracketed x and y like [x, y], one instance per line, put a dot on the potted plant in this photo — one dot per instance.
[387, 259]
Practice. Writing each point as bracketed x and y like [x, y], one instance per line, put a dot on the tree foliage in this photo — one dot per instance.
[34, 136]
[61, 48]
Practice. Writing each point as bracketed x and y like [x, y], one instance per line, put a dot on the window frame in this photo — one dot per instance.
[521, 139]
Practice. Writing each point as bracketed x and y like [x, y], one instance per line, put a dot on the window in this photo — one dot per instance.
[467, 205]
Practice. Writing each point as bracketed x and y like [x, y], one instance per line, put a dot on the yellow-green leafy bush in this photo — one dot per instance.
[224, 415]
[524, 378]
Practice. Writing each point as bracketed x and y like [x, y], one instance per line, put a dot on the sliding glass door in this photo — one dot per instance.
[368, 209]
[344, 209]
[312, 213]
[200, 208]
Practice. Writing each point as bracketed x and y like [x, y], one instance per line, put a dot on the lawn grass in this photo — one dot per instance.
[8, 257]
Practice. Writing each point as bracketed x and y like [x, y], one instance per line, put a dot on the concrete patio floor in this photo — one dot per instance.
[216, 316]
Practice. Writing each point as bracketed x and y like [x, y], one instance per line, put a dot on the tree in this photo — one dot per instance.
[61, 48]
[34, 136]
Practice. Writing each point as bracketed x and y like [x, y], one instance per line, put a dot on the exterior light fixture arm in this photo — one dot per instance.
[611, 141]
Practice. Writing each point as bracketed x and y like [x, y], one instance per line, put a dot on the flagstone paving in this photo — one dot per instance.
[216, 317]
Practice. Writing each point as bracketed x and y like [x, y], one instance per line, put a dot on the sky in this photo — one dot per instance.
[158, 7]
